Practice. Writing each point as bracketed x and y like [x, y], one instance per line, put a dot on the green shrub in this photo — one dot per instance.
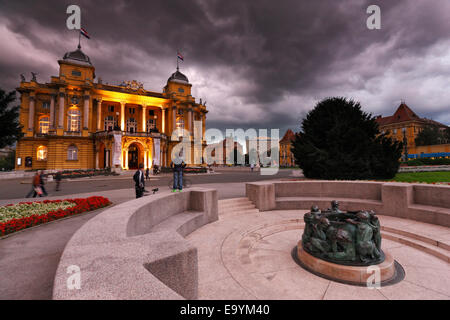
[340, 141]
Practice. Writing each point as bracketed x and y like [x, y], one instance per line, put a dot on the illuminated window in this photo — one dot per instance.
[41, 153]
[74, 120]
[44, 124]
[131, 125]
[109, 123]
[180, 125]
[72, 153]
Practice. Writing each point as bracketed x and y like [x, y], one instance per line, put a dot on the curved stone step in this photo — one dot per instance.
[434, 250]
[416, 236]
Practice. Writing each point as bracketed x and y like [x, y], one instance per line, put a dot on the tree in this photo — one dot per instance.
[340, 141]
[429, 135]
[10, 128]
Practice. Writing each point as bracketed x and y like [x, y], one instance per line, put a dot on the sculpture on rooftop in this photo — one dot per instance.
[350, 238]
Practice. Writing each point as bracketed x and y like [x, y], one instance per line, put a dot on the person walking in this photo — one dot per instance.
[34, 184]
[177, 168]
[139, 181]
[42, 182]
[58, 177]
[147, 173]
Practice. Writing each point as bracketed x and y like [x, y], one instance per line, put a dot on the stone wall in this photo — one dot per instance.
[137, 250]
[426, 203]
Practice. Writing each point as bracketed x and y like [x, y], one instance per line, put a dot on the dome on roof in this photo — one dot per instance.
[178, 77]
[77, 56]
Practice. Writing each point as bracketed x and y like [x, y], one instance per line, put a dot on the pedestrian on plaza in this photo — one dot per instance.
[252, 166]
[139, 181]
[147, 173]
[34, 184]
[58, 177]
[177, 166]
[42, 182]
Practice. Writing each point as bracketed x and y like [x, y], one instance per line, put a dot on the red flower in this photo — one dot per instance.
[82, 205]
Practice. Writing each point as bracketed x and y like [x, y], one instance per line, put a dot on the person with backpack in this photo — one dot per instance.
[177, 168]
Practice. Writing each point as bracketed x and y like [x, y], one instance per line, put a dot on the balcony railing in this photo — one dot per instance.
[100, 134]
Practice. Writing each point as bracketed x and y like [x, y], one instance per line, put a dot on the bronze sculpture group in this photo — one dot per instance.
[352, 238]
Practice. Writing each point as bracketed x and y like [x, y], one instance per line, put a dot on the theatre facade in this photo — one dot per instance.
[75, 122]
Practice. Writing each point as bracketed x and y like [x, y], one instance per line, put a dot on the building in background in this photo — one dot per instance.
[234, 154]
[405, 123]
[73, 122]
[286, 155]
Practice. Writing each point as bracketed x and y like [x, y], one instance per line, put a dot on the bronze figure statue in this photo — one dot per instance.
[351, 238]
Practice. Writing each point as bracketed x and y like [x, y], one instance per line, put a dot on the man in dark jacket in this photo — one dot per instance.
[139, 180]
[177, 167]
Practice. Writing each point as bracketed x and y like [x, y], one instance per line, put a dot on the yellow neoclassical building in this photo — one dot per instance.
[74, 122]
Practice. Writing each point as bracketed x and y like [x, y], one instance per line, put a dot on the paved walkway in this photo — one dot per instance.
[251, 258]
[29, 258]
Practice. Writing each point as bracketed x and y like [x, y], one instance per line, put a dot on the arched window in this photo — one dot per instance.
[74, 120]
[180, 125]
[41, 153]
[44, 124]
[72, 153]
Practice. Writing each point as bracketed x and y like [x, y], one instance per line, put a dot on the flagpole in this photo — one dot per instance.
[79, 39]
[177, 62]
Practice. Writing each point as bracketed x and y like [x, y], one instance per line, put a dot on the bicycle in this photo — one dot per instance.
[186, 183]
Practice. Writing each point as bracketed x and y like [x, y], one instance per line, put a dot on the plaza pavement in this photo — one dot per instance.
[30, 257]
[250, 254]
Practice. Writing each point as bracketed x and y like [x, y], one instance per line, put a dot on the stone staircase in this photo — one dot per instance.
[236, 206]
[434, 247]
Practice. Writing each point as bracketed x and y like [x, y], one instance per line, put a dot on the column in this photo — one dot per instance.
[126, 159]
[144, 113]
[163, 121]
[99, 114]
[52, 111]
[190, 127]
[62, 95]
[86, 112]
[145, 159]
[174, 118]
[31, 114]
[122, 118]
[97, 166]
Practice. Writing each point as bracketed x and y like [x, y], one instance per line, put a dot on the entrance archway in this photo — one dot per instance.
[134, 155]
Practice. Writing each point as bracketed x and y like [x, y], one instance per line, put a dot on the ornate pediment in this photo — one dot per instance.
[132, 85]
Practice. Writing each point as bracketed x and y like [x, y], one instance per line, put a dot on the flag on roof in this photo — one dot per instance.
[84, 33]
[179, 55]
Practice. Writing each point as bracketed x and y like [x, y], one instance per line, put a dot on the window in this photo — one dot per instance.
[109, 123]
[74, 120]
[41, 153]
[180, 125]
[72, 153]
[131, 125]
[131, 110]
[76, 73]
[110, 108]
[181, 90]
[45, 105]
[44, 124]
[151, 112]
[180, 112]
[151, 125]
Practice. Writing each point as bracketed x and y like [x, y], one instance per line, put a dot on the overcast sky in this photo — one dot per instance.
[257, 63]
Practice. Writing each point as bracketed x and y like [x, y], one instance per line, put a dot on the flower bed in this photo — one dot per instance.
[27, 214]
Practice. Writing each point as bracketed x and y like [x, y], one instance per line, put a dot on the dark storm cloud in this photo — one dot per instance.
[259, 64]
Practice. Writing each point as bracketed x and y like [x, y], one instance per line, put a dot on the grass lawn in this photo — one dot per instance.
[429, 177]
